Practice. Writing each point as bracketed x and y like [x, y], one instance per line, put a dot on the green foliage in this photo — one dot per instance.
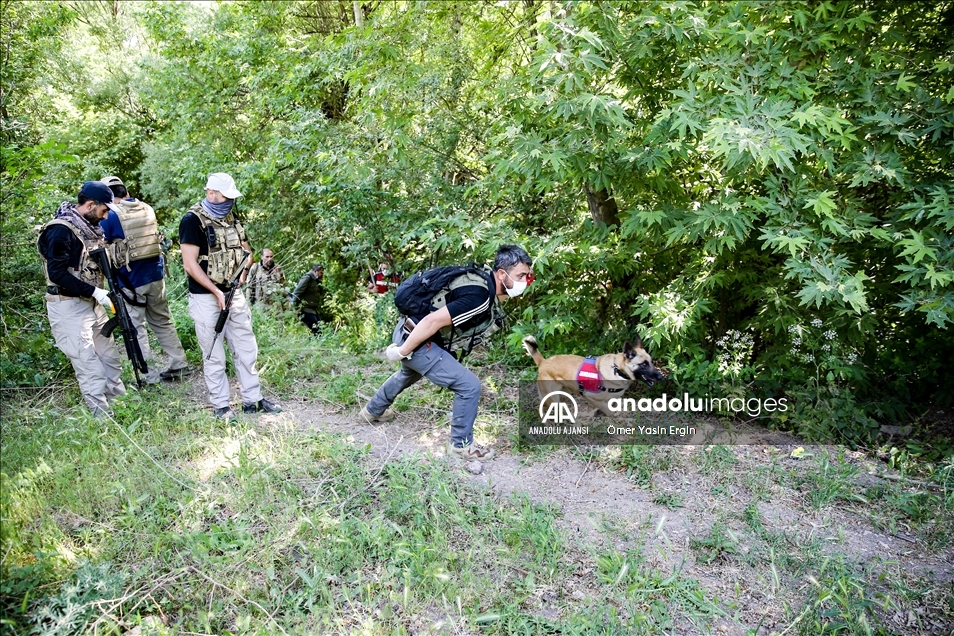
[641, 462]
[720, 544]
[72, 609]
[684, 172]
[831, 481]
[841, 602]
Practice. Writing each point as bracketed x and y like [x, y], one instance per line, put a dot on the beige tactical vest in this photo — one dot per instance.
[142, 234]
[87, 271]
[265, 286]
[226, 255]
[456, 339]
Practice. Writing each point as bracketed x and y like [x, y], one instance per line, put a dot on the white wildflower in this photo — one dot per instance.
[830, 334]
[816, 323]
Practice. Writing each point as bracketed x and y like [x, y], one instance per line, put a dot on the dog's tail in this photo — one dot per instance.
[530, 344]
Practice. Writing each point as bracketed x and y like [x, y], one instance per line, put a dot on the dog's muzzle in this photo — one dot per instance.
[652, 379]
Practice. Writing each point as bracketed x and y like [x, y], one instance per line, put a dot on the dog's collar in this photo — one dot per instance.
[620, 373]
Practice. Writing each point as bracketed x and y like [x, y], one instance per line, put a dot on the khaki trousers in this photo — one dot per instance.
[76, 325]
[156, 313]
[204, 310]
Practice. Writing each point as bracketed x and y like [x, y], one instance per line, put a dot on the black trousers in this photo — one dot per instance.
[312, 322]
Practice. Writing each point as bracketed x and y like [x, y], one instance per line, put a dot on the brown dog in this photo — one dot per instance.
[613, 373]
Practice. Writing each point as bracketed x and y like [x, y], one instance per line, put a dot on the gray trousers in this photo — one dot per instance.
[76, 325]
[156, 313]
[440, 367]
[237, 332]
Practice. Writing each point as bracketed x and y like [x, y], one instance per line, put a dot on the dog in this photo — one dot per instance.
[598, 381]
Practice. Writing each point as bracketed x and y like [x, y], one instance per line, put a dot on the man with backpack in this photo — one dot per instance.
[446, 312]
[133, 234]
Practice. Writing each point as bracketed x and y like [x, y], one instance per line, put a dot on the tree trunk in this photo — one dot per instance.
[358, 13]
[602, 206]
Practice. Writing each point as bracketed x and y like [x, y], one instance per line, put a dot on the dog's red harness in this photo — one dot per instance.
[588, 377]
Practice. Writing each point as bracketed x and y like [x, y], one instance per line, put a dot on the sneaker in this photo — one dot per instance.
[387, 416]
[225, 413]
[472, 452]
[262, 406]
[175, 374]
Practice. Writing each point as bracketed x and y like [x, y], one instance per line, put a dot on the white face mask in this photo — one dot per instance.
[517, 289]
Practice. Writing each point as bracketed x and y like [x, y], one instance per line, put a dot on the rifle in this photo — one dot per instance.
[121, 317]
[224, 313]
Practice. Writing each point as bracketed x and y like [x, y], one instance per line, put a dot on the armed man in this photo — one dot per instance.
[74, 287]
[215, 255]
[266, 281]
[133, 234]
[445, 313]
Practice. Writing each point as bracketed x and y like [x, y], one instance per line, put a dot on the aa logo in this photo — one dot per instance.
[558, 411]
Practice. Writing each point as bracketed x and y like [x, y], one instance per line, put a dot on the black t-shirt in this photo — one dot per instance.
[191, 233]
[62, 251]
[467, 305]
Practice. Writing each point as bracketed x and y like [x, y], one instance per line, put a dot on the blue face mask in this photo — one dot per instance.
[218, 210]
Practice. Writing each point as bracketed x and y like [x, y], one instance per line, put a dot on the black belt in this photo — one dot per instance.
[53, 290]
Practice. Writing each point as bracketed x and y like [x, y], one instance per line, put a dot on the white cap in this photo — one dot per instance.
[224, 183]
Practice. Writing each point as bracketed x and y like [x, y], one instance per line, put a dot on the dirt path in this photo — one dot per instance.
[602, 509]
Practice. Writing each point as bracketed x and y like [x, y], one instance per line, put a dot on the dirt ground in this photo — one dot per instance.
[601, 508]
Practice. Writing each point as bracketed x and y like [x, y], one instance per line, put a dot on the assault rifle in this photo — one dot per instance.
[121, 319]
[224, 313]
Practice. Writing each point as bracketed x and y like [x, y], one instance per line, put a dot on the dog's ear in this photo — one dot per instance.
[639, 343]
[629, 351]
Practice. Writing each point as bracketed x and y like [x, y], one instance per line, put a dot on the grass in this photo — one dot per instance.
[169, 518]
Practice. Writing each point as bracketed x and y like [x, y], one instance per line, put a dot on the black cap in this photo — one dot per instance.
[99, 192]
[317, 266]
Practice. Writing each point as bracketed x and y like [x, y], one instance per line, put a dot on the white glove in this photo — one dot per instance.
[101, 296]
[393, 352]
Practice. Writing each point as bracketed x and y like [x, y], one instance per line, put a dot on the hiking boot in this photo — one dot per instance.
[225, 413]
[470, 453]
[262, 406]
[175, 374]
[387, 416]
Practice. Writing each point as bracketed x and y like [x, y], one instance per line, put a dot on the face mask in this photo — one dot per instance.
[517, 289]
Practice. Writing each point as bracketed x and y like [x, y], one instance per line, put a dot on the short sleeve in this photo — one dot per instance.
[112, 228]
[190, 231]
[468, 302]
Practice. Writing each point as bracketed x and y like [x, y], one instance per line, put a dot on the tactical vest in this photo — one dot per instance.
[87, 270]
[225, 237]
[463, 340]
[264, 284]
[142, 234]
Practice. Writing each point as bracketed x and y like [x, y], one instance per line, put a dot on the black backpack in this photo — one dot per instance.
[414, 296]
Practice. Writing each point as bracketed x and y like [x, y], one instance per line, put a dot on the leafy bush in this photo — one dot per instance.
[683, 172]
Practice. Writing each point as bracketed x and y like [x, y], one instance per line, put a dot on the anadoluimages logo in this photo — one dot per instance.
[558, 411]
